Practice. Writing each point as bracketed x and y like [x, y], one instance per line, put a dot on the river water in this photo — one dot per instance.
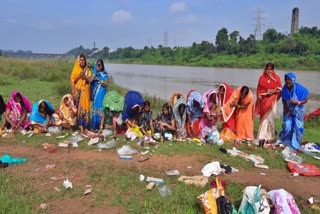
[162, 81]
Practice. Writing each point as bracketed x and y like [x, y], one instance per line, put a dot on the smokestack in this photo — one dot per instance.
[295, 21]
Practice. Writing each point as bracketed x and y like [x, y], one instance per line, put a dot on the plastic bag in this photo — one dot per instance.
[290, 155]
[165, 191]
[54, 129]
[108, 145]
[227, 135]
[126, 150]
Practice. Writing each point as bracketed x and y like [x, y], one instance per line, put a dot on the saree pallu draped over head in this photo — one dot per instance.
[208, 105]
[293, 128]
[228, 115]
[243, 116]
[132, 99]
[36, 117]
[266, 107]
[98, 92]
[81, 94]
[174, 97]
[180, 119]
[114, 101]
[16, 110]
[65, 111]
[194, 113]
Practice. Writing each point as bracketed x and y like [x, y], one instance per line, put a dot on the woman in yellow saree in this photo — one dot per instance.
[66, 114]
[80, 84]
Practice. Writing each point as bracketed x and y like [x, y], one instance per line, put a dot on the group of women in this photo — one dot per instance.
[195, 115]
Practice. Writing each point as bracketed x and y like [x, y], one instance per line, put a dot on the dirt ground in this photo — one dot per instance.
[301, 186]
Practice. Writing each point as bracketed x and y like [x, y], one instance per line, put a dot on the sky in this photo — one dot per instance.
[57, 26]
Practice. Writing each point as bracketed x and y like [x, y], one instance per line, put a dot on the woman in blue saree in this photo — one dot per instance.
[294, 96]
[41, 116]
[99, 87]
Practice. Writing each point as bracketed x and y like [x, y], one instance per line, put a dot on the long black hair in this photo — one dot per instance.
[101, 61]
[2, 105]
[23, 105]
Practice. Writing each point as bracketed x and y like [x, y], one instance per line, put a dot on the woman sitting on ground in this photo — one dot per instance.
[195, 104]
[66, 114]
[180, 117]
[147, 126]
[165, 123]
[17, 112]
[133, 105]
[41, 116]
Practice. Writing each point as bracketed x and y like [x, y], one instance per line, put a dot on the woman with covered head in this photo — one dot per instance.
[241, 103]
[99, 88]
[66, 114]
[294, 96]
[195, 104]
[41, 116]
[17, 112]
[180, 117]
[224, 93]
[80, 84]
[133, 105]
[268, 93]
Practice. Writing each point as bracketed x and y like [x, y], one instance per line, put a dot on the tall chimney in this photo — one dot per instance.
[295, 21]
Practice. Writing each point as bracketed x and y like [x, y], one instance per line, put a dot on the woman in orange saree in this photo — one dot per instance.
[241, 102]
[80, 84]
[268, 93]
[225, 92]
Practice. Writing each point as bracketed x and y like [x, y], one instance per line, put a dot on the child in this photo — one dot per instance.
[165, 123]
[146, 124]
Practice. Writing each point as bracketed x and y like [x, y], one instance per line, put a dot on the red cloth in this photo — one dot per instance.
[266, 82]
[304, 169]
[314, 113]
[231, 123]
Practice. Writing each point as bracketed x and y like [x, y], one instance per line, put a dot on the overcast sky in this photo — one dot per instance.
[56, 26]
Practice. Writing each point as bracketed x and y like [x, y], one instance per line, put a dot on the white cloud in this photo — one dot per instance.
[177, 7]
[187, 20]
[121, 16]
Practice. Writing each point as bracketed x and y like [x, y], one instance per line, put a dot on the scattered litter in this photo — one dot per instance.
[165, 191]
[155, 180]
[88, 186]
[37, 169]
[93, 141]
[212, 168]
[295, 174]
[48, 135]
[145, 152]
[256, 159]
[67, 184]
[157, 146]
[74, 144]
[30, 135]
[261, 166]
[64, 144]
[50, 166]
[290, 155]
[62, 136]
[141, 178]
[145, 148]
[49, 147]
[125, 157]
[234, 169]
[198, 180]
[126, 150]
[108, 145]
[262, 173]
[54, 129]
[150, 185]
[173, 172]
[74, 134]
[44, 206]
[142, 159]
[88, 191]
[189, 167]
[57, 189]
[311, 200]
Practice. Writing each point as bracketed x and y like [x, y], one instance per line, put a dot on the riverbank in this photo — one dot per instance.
[115, 183]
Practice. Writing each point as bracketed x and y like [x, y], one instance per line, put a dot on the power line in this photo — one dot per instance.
[165, 39]
[257, 30]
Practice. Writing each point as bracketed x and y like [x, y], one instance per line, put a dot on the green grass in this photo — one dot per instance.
[114, 185]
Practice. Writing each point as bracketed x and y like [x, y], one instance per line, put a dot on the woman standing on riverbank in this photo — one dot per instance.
[99, 87]
[268, 93]
[294, 96]
[80, 84]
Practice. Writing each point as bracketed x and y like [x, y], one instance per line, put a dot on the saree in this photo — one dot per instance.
[313, 114]
[16, 110]
[174, 97]
[228, 115]
[65, 111]
[267, 106]
[243, 117]
[98, 91]
[292, 125]
[132, 99]
[180, 119]
[114, 101]
[194, 113]
[81, 94]
[210, 108]
[36, 117]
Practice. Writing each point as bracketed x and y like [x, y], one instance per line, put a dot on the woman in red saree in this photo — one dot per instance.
[268, 93]
[224, 95]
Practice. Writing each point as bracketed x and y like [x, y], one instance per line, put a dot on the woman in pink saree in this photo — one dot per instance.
[225, 92]
[17, 111]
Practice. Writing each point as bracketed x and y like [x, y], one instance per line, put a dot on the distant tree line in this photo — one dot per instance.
[301, 49]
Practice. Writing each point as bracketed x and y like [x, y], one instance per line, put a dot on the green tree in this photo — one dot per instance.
[234, 46]
[222, 41]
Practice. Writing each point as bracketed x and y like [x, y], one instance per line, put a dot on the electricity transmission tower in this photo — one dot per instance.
[257, 30]
[165, 40]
